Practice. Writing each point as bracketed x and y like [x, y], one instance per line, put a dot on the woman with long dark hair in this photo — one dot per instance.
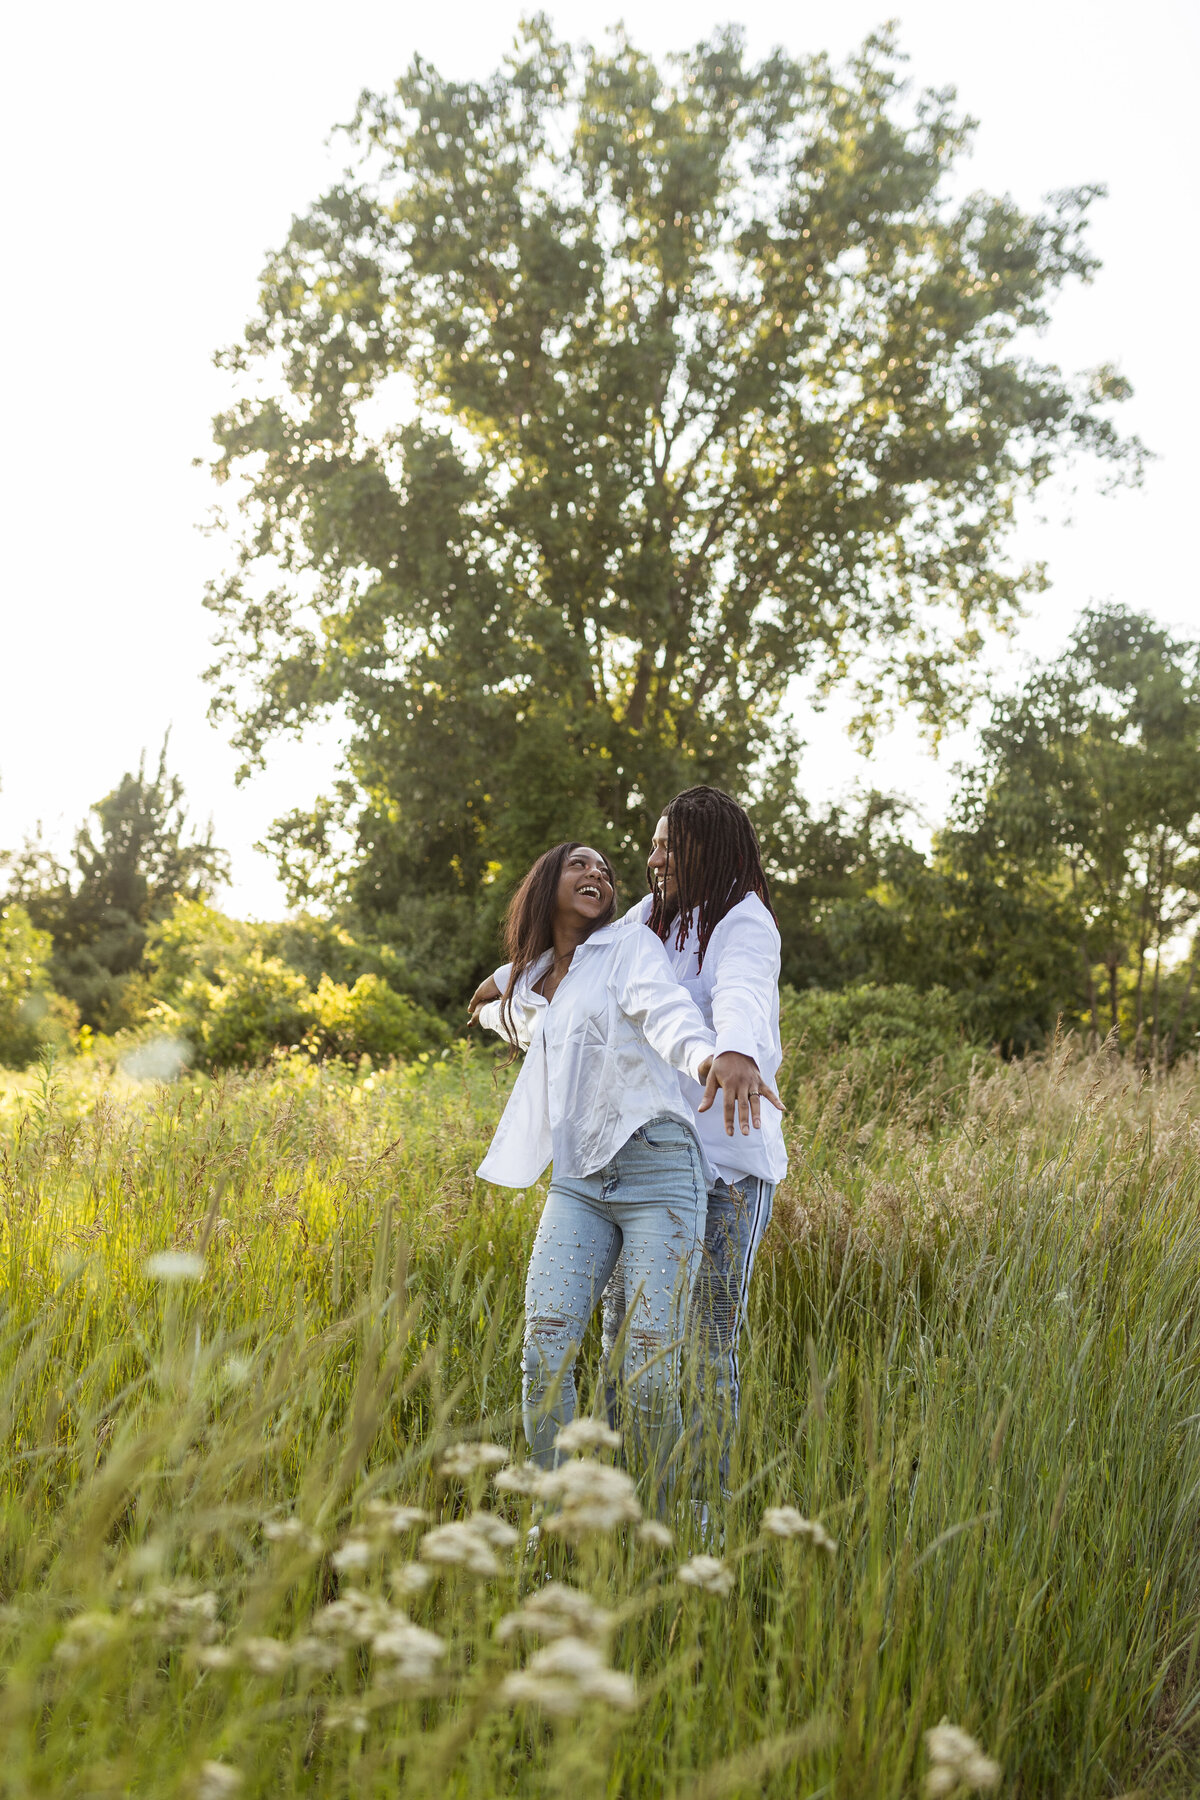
[605, 1026]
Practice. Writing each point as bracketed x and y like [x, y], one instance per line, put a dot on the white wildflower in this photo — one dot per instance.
[956, 1762]
[786, 1522]
[292, 1531]
[265, 1655]
[459, 1546]
[519, 1478]
[85, 1635]
[590, 1496]
[178, 1611]
[413, 1650]
[409, 1578]
[175, 1265]
[314, 1653]
[494, 1530]
[217, 1781]
[586, 1434]
[554, 1611]
[460, 1461]
[650, 1531]
[564, 1676]
[347, 1718]
[353, 1556]
[354, 1616]
[216, 1656]
[708, 1573]
[390, 1520]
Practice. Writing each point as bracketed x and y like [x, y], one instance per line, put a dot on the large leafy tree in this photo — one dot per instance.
[599, 401]
[1088, 793]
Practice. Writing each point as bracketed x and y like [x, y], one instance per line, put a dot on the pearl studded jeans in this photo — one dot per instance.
[648, 1204]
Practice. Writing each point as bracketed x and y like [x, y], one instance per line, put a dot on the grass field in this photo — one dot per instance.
[975, 1361]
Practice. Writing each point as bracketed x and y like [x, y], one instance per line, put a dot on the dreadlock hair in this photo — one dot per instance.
[529, 921]
[714, 854]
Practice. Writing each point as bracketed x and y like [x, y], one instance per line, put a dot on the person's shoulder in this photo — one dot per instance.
[750, 913]
[749, 919]
[639, 912]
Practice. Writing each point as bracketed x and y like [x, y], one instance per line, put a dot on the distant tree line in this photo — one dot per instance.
[1064, 888]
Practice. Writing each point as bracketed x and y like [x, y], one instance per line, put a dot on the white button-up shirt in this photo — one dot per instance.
[600, 1062]
[737, 993]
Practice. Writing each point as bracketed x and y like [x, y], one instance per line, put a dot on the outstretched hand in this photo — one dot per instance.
[485, 992]
[738, 1078]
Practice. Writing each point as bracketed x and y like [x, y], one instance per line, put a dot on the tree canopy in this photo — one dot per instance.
[599, 401]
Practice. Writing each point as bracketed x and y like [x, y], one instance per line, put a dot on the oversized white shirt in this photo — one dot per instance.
[737, 994]
[604, 1059]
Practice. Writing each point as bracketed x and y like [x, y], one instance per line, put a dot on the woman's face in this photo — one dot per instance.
[660, 866]
[585, 888]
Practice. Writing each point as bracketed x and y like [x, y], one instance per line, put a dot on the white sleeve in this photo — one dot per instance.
[744, 983]
[501, 976]
[649, 994]
[492, 1019]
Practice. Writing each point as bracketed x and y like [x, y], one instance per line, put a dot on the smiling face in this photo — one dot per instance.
[660, 867]
[585, 887]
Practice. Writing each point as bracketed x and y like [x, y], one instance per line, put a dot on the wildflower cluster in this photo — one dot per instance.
[786, 1522]
[565, 1676]
[554, 1611]
[956, 1763]
[460, 1461]
[709, 1574]
[176, 1612]
[469, 1544]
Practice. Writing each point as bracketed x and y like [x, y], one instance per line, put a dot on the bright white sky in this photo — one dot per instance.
[153, 154]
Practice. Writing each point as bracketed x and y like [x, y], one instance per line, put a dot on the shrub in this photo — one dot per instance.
[31, 1013]
[260, 1005]
[372, 1019]
[890, 1031]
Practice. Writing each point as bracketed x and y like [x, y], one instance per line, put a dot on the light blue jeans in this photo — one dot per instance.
[648, 1204]
[736, 1219]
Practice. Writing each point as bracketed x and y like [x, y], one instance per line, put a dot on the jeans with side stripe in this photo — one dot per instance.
[737, 1217]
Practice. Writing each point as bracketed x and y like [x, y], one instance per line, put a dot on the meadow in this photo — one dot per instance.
[257, 1330]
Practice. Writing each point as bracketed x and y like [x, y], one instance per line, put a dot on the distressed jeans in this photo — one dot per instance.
[647, 1205]
[736, 1219]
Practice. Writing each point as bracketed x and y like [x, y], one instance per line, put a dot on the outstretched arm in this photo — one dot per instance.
[743, 1087]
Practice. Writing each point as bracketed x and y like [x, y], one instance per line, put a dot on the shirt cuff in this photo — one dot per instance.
[737, 1038]
[701, 1051]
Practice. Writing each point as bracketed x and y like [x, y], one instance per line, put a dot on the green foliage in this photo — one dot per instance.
[222, 985]
[131, 864]
[889, 1039]
[372, 1019]
[973, 1356]
[256, 1006]
[599, 401]
[31, 1013]
[1089, 791]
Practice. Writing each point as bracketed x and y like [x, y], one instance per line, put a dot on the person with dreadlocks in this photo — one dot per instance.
[710, 905]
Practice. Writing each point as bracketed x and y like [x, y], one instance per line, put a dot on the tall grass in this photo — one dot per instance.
[974, 1358]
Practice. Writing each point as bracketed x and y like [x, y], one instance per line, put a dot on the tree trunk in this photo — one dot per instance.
[1093, 996]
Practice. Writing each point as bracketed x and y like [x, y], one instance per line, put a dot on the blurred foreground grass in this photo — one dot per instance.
[974, 1359]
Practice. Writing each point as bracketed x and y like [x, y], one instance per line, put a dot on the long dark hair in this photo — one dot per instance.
[714, 855]
[529, 921]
